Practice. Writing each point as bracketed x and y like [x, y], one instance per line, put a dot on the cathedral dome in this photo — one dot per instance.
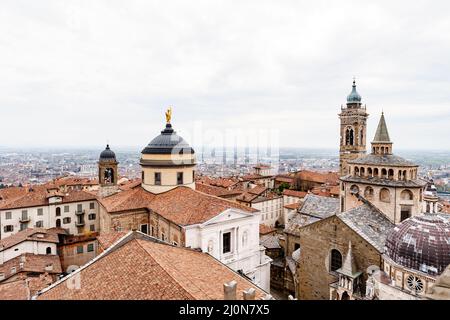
[354, 96]
[421, 243]
[168, 142]
[107, 155]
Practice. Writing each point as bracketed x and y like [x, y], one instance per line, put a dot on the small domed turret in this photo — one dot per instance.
[107, 155]
[354, 96]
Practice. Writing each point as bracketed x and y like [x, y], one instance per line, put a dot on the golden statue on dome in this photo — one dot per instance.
[168, 115]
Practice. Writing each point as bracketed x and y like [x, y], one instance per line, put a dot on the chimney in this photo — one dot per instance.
[249, 294]
[229, 290]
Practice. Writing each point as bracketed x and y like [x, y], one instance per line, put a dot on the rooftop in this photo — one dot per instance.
[143, 268]
[36, 234]
[369, 223]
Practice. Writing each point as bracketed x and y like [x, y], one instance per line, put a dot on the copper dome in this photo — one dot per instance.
[421, 243]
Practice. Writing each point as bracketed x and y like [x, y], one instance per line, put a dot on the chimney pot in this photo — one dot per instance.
[229, 290]
[249, 294]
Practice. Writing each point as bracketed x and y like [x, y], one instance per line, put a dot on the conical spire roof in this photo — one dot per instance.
[349, 266]
[382, 134]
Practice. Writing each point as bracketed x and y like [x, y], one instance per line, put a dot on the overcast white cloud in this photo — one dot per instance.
[78, 73]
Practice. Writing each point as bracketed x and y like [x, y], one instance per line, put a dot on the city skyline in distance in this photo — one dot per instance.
[82, 74]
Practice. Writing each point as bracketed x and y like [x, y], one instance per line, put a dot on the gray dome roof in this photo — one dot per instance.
[354, 96]
[107, 154]
[168, 142]
[421, 243]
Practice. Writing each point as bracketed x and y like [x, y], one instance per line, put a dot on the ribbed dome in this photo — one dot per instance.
[167, 143]
[421, 243]
[107, 154]
[354, 96]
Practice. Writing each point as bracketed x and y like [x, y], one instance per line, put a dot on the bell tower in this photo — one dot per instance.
[107, 172]
[353, 118]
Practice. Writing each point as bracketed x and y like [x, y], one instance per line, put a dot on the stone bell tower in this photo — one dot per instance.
[107, 172]
[353, 119]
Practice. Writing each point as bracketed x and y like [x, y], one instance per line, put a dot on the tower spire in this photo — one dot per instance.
[382, 143]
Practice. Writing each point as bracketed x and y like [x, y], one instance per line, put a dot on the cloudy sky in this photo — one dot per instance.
[80, 73]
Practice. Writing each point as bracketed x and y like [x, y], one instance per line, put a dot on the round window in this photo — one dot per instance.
[414, 284]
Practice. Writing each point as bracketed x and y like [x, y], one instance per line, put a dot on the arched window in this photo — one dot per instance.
[362, 171]
[406, 195]
[347, 137]
[58, 211]
[369, 172]
[58, 223]
[351, 137]
[354, 189]
[368, 193]
[382, 150]
[383, 173]
[335, 260]
[375, 172]
[361, 137]
[404, 175]
[391, 174]
[385, 195]
[356, 171]
[48, 250]
[399, 174]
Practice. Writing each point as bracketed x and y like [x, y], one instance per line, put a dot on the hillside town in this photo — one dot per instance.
[374, 228]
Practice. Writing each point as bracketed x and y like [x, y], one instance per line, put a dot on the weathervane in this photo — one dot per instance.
[168, 115]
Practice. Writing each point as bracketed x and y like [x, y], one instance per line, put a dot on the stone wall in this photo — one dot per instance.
[316, 242]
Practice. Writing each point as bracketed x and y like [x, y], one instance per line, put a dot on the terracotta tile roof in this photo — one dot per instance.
[319, 177]
[215, 191]
[131, 199]
[106, 240]
[38, 196]
[185, 206]
[246, 197]
[263, 229]
[16, 290]
[218, 182]
[284, 178]
[293, 206]
[141, 268]
[71, 181]
[36, 234]
[250, 177]
[258, 190]
[29, 262]
[294, 193]
[131, 184]
[181, 205]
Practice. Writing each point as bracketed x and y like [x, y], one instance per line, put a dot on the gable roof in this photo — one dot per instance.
[369, 223]
[29, 234]
[38, 196]
[29, 262]
[139, 267]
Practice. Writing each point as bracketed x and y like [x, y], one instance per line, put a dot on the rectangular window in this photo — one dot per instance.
[8, 215]
[80, 249]
[40, 212]
[144, 228]
[92, 227]
[92, 205]
[23, 226]
[158, 178]
[152, 231]
[91, 216]
[226, 242]
[66, 208]
[79, 207]
[39, 224]
[179, 177]
[90, 247]
[66, 220]
[8, 228]
[24, 214]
